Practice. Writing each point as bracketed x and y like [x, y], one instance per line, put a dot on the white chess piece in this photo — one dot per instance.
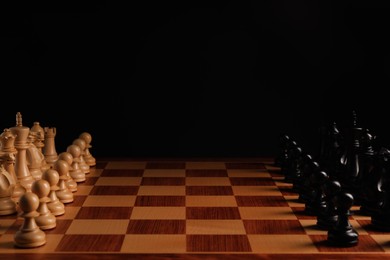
[21, 169]
[46, 220]
[89, 159]
[76, 173]
[7, 205]
[29, 235]
[64, 194]
[55, 205]
[83, 165]
[67, 157]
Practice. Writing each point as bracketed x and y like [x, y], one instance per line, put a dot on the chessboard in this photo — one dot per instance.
[189, 209]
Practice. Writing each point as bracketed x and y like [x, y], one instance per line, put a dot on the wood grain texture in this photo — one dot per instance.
[366, 244]
[165, 165]
[212, 213]
[237, 165]
[206, 173]
[160, 201]
[146, 226]
[237, 181]
[90, 243]
[78, 201]
[163, 181]
[273, 227]
[261, 201]
[104, 213]
[218, 243]
[209, 190]
[122, 173]
[114, 190]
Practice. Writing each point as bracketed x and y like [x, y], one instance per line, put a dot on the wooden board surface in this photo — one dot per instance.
[165, 209]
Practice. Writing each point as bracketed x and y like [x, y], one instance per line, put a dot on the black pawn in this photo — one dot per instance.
[306, 194]
[317, 202]
[343, 234]
[282, 158]
[328, 218]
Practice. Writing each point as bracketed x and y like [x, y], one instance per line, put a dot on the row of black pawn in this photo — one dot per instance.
[323, 196]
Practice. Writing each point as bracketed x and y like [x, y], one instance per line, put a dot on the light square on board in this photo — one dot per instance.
[267, 213]
[158, 213]
[281, 243]
[98, 226]
[211, 201]
[212, 226]
[256, 191]
[207, 181]
[109, 201]
[248, 173]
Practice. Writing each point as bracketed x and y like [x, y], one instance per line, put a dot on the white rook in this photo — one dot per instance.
[49, 150]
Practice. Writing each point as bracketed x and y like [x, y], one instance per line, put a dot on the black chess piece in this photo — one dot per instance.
[380, 219]
[350, 159]
[372, 188]
[328, 218]
[285, 167]
[295, 163]
[342, 234]
[366, 163]
[304, 165]
[307, 193]
[317, 202]
[282, 157]
[331, 162]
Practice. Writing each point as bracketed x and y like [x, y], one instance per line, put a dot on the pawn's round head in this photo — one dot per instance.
[61, 166]
[41, 188]
[74, 150]
[81, 143]
[51, 176]
[67, 157]
[86, 137]
[29, 202]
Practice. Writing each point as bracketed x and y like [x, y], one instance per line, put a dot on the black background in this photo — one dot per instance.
[185, 78]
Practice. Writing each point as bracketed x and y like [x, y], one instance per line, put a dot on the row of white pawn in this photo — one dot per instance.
[45, 200]
[40, 206]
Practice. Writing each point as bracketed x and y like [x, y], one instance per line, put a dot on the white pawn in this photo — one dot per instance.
[46, 220]
[55, 205]
[29, 235]
[89, 159]
[76, 173]
[67, 157]
[64, 194]
[83, 165]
